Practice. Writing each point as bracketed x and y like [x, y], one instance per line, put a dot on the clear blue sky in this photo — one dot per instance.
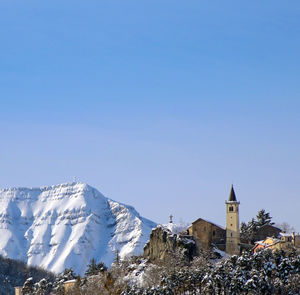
[158, 104]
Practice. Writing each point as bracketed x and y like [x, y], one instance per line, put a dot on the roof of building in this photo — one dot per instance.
[199, 219]
[267, 242]
[283, 234]
[263, 227]
[70, 281]
[232, 197]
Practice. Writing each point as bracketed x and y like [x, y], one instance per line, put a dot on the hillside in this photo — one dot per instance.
[64, 226]
[14, 273]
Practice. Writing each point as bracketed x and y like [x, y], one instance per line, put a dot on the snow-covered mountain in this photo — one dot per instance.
[67, 225]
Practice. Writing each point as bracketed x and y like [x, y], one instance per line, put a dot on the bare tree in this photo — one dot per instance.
[285, 227]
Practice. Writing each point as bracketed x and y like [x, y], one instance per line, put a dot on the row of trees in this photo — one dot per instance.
[265, 272]
[45, 286]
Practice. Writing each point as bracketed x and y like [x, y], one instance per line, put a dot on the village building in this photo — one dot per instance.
[69, 285]
[270, 243]
[265, 231]
[18, 290]
[296, 240]
[284, 241]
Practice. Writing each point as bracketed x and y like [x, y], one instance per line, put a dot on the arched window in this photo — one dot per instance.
[231, 208]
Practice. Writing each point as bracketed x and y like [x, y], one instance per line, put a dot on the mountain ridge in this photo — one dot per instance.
[66, 225]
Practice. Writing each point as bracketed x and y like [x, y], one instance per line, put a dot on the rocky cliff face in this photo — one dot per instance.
[163, 243]
[67, 225]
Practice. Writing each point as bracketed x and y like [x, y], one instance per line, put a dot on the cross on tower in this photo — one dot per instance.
[171, 218]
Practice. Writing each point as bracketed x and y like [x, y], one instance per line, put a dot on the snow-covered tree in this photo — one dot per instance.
[43, 287]
[28, 287]
[94, 268]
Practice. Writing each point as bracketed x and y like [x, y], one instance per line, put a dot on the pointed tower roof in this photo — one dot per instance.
[232, 197]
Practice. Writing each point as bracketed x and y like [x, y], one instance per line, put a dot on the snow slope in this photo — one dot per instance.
[67, 225]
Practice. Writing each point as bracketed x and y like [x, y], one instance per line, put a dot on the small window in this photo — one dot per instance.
[230, 224]
[204, 228]
[214, 232]
[231, 209]
[231, 234]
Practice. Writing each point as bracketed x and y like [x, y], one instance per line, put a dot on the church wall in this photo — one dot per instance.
[207, 233]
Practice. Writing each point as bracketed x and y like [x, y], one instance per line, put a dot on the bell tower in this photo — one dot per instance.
[232, 224]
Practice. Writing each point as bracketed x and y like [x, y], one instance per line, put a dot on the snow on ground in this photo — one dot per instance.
[67, 225]
[220, 252]
[175, 228]
[140, 274]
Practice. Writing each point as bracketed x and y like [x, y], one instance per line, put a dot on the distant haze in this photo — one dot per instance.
[158, 104]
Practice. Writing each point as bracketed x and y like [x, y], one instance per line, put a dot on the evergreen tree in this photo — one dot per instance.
[263, 218]
[28, 287]
[249, 230]
[43, 287]
[94, 268]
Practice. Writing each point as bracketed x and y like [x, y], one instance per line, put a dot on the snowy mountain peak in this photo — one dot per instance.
[66, 225]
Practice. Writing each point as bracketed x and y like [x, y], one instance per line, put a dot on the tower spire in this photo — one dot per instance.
[232, 197]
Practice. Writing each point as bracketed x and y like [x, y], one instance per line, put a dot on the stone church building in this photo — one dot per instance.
[206, 233]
